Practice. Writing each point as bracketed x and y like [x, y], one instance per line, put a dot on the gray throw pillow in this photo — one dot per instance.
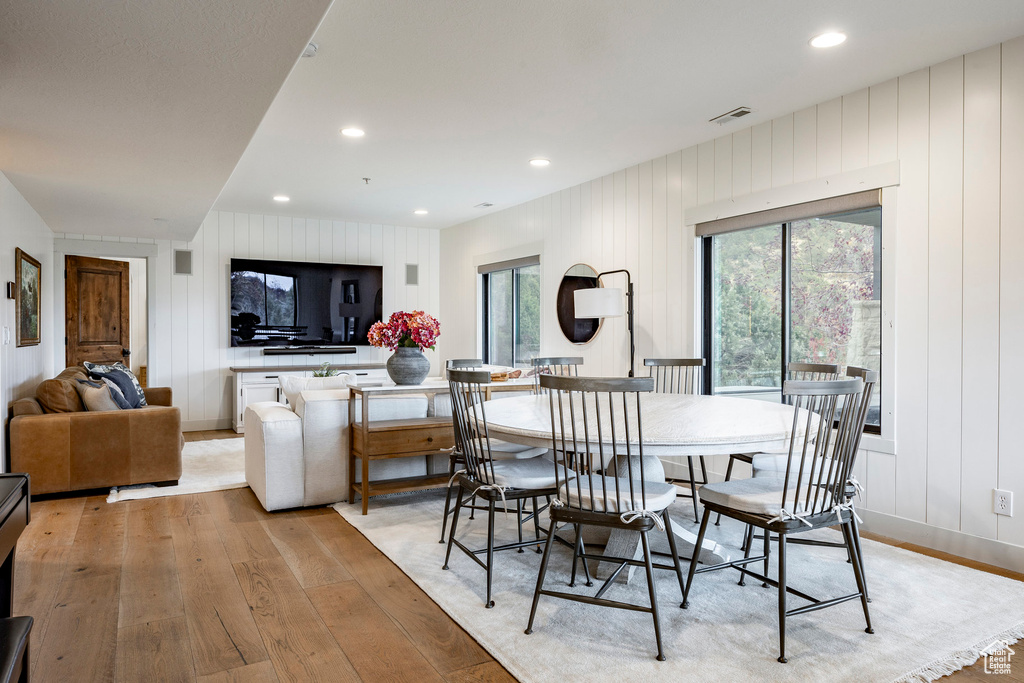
[117, 394]
[123, 377]
[95, 395]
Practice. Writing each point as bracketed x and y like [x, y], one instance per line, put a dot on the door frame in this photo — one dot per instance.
[102, 249]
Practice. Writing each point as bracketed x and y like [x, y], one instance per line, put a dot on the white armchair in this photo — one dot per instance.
[300, 458]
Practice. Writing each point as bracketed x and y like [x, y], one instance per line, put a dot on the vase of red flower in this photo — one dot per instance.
[407, 334]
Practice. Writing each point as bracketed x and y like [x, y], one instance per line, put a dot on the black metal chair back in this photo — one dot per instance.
[676, 375]
[870, 379]
[558, 366]
[822, 450]
[470, 421]
[597, 429]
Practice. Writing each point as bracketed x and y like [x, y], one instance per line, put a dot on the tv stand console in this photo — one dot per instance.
[254, 384]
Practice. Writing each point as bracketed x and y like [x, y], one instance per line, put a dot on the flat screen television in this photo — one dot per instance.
[292, 303]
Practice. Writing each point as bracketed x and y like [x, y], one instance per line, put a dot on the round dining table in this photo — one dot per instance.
[675, 426]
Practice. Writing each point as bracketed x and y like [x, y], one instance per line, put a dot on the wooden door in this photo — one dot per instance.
[96, 310]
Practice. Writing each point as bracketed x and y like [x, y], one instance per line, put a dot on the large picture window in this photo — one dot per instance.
[511, 312]
[806, 290]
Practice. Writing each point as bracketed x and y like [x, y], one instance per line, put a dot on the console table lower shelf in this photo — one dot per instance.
[386, 439]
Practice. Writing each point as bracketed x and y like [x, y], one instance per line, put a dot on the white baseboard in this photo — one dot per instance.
[987, 550]
[205, 425]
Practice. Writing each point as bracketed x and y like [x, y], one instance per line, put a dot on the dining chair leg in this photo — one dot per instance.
[576, 550]
[782, 597]
[540, 577]
[767, 549]
[696, 557]
[748, 541]
[728, 476]
[536, 524]
[860, 555]
[858, 572]
[455, 523]
[673, 550]
[447, 499]
[693, 489]
[490, 551]
[703, 471]
[519, 522]
[653, 593]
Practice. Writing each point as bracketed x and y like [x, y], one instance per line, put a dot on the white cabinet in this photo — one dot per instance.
[253, 385]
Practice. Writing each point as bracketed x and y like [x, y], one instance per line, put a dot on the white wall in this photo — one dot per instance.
[189, 350]
[22, 369]
[958, 133]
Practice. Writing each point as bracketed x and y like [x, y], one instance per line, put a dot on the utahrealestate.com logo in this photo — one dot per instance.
[997, 657]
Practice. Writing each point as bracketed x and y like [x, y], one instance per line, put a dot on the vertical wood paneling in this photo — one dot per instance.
[1011, 287]
[676, 298]
[196, 329]
[979, 469]
[741, 163]
[723, 167]
[855, 130]
[912, 298]
[706, 172]
[659, 258]
[830, 137]
[688, 197]
[760, 158]
[883, 103]
[213, 308]
[805, 145]
[782, 151]
[645, 262]
[945, 291]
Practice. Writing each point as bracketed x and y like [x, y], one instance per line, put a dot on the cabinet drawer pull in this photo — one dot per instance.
[430, 439]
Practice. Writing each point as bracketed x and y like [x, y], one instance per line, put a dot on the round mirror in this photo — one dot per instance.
[576, 330]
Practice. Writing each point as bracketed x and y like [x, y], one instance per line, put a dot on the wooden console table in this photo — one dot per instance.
[383, 439]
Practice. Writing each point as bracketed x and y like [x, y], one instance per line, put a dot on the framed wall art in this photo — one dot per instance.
[27, 299]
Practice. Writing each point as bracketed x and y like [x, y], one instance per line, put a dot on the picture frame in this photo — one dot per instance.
[27, 298]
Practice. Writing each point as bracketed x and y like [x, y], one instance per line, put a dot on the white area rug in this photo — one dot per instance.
[205, 466]
[930, 617]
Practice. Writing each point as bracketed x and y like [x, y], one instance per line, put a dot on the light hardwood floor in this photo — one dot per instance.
[210, 587]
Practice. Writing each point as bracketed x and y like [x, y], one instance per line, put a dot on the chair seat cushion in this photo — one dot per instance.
[532, 473]
[757, 496]
[505, 450]
[589, 492]
[774, 465]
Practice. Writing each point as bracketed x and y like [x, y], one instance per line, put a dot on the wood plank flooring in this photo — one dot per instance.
[210, 587]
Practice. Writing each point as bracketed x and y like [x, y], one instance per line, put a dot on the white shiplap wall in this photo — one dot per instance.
[22, 369]
[958, 134]
[190, 351]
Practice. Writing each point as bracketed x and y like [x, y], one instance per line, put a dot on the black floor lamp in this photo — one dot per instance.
[606, 302]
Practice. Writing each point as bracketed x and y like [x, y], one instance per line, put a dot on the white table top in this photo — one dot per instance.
[436, 385]
[673, 424]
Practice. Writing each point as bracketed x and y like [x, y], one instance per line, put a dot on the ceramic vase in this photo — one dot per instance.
[408, 366]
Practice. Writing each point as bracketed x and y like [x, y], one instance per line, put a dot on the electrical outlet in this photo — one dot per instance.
[1002, 502]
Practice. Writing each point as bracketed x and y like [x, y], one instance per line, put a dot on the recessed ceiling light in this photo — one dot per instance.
[353, 132]
[830, 39]
[540, 162]
[282, 198]
[420, 212]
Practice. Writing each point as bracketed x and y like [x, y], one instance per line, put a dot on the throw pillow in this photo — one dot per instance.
[95, 395]
[117, 394]
[123, 377]
[293, 386]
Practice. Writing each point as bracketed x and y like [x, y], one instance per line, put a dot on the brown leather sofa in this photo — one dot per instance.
[66, 448]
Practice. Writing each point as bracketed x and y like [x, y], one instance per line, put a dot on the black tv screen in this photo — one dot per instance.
[292, 303]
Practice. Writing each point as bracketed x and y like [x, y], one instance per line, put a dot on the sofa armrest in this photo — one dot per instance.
[274, 467]
[26, 406]
[158, 396]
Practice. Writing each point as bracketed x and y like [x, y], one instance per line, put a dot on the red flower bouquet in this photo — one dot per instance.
[413, 329]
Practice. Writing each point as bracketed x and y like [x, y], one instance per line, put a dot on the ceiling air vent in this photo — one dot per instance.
[483, 205]
[732, 115]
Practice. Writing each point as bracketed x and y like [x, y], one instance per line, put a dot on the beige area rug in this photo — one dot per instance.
[930, 617]
[205, 466]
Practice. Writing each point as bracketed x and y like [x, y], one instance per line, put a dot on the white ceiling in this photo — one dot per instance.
[127, 117]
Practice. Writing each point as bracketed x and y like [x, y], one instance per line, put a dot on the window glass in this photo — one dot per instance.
[512, 316]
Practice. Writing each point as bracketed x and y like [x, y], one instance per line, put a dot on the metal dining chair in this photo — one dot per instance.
[559, 366]
[597, 422]
[810, 495]
[488, 479]
[681, 376]
[800, 372]
[766, 465]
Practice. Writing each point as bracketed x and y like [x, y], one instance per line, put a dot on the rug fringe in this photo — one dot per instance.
[958, 660]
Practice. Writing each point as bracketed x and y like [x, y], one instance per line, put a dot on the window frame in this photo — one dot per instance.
[707, 289]
[485, 272]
